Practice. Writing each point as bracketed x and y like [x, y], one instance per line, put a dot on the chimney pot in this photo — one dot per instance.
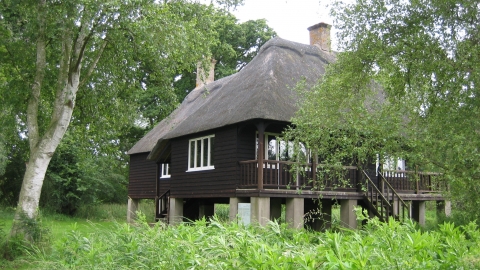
[320, 36]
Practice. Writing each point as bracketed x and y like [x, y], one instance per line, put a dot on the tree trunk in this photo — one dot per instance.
[42, 147]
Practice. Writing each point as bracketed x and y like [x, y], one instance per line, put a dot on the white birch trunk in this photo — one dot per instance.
[42, 147]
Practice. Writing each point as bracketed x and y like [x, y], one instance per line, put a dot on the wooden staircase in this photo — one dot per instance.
[382, 201]
[162, 206]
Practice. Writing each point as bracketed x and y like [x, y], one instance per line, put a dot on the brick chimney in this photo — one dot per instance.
[320, 36]
[202, 78]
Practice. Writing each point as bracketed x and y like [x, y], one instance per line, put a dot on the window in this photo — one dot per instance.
[164, 170]
[395, 164]
[278, 149]
[200, 153]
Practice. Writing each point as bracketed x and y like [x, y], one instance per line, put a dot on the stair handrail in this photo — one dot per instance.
[393, 190]
[385, 204]
[166, 193]
[167, 206]
[375, 186]
[403, 203]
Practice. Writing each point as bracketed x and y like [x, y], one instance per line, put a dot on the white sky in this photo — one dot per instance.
[289, 18]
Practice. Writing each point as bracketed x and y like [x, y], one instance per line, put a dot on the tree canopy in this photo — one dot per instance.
[238, 43]
[406, 84]
[92, 55]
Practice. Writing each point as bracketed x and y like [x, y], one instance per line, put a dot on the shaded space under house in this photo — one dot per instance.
[222, 146]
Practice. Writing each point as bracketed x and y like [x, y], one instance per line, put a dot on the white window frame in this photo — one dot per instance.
[164, 170]
[200, 167]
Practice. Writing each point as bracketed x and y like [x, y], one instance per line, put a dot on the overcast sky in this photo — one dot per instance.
[289, 18]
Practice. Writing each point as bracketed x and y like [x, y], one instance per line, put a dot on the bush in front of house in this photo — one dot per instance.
[218, 245]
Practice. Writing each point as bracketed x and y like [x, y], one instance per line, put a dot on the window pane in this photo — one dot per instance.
[212, 144]
[167, 169]
[192, 154]
[256, 147]
[205, 152]
[199, 153]
[160, 167]
[272, 148]
[286, 151]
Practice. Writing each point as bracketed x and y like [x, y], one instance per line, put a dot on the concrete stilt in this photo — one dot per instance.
[206, 210]
[175, 213]
[295, 210]
[234, 207]
[275, 208]
[132, 207]
[418, 212]
[347, 213]
[444, 208]
[396, 206]
[260, 207]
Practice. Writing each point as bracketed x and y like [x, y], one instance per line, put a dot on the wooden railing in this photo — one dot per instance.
[276, 174]
[420, 182]
[384, 200]
[162, 206]
[294, 175]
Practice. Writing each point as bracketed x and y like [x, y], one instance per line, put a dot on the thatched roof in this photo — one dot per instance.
[261, 90]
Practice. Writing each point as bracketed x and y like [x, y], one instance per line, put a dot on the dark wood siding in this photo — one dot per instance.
[219, 182]
[246, 143]
[141, 184]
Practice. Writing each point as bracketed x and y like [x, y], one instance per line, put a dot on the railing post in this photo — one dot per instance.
[417, 180]
[359, 177]
[261, 153]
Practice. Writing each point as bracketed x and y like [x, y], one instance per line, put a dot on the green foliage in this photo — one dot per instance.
[114, 212]
[12, 247]
[405, 85]
[222, 212]
[238, 44]
[3, 155]
[11, 180]
[215, 244]
[77, 176]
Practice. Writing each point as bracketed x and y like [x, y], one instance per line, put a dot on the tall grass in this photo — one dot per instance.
[117, 212]
[79, 244]
[218, 245]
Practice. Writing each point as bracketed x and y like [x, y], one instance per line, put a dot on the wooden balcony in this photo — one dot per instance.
[418, 182]
[292, 175]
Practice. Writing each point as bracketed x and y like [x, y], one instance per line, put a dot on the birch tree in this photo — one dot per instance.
[63, 54]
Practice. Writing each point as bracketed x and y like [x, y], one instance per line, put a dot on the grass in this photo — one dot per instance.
[100, 239]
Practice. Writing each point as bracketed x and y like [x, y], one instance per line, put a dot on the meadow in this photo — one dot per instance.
[105, 241]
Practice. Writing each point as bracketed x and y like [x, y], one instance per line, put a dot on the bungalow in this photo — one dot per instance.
[222, 145]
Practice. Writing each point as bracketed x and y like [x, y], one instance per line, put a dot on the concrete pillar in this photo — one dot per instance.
[260, 207]
[132, 207]
[175, 213]
[275, 208]
[396, 206]
[444, 208]
[348, 217]
[206, 210]
[295, 210]
[234, 207]
[418, 212]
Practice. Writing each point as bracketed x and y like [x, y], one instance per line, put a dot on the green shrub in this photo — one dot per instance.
[222, 211]
[214, 244]
[33, 237]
